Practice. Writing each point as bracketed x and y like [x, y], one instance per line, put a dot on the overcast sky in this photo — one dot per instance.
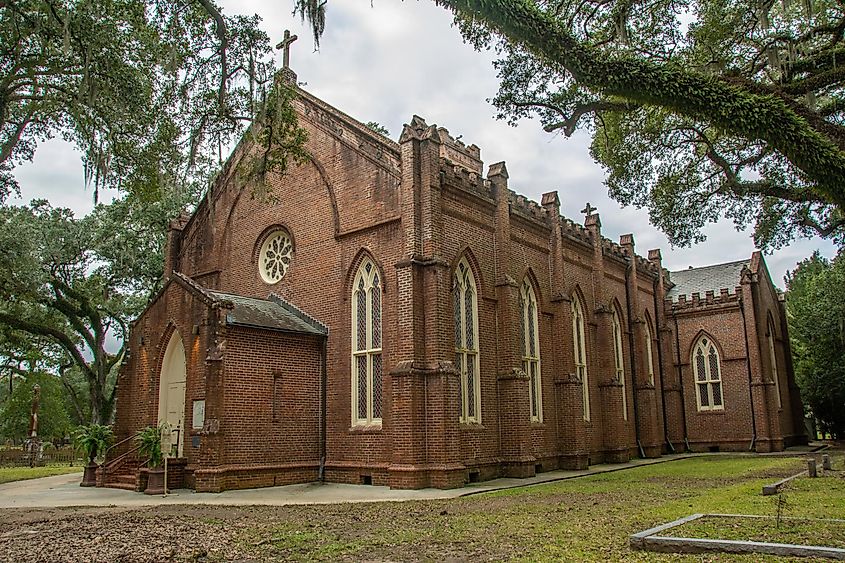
[393, 60]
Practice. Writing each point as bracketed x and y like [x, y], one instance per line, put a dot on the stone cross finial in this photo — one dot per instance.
[285, 44]
[588, 209]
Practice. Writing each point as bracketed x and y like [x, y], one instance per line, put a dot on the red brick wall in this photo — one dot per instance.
[350, 199]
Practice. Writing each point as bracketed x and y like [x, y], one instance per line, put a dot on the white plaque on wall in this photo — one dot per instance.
[199, 415]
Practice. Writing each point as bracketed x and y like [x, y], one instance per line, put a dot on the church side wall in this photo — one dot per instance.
[468, 230]
[469, 226]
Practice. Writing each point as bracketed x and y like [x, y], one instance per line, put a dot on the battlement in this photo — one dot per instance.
[710, 299]
[608, 247]
[468, 180]
[647, 265]
[527, 207]
[573, 230]
[456, 151]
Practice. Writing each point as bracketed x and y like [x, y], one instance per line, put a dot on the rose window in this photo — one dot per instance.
[276, 255]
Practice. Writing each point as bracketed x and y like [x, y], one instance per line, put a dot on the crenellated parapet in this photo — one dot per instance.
[573, 230]
[610, 248]
[526, 207]
[711, 299]
[459, 176]
[456, 151]
[647, 265]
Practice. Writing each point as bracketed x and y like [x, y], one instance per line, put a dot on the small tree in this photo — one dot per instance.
[817, 326]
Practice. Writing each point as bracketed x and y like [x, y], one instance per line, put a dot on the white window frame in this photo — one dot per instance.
[706, 346]
[579, 351]
[531, 362]
[368, 274]
[282, 260]
[774, 360]
[619, 359]
[466, 353]
[649, 350]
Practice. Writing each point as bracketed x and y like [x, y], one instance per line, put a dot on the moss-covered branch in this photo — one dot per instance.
[729, 107]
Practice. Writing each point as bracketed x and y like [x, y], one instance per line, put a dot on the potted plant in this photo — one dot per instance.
[92, 440]
[149, 446]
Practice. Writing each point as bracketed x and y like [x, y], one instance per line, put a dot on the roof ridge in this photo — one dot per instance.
[298, 312]
[731, 263]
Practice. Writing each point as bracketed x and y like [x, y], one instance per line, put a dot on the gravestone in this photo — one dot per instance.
[826, 462]
[811, 467]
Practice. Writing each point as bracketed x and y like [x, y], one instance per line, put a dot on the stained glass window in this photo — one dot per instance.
[649, 352]
[773, 360]
[707, 373]
[366, 345]
[580, 348]
[619, 360]
[465, 306]
[275, 256]
[530, 346]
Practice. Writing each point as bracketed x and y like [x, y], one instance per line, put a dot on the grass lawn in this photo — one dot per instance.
[9, 474]
[586, 519]
[790, 530]
[580, 519]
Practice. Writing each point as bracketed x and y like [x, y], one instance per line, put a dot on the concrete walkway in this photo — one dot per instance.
[64, 490]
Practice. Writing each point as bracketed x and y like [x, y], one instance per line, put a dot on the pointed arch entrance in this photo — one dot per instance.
[171, 390]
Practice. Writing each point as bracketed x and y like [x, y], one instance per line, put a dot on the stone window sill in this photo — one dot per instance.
[365, 429]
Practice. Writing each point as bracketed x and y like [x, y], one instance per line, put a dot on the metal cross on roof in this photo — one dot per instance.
[285, 44]
[588, 209]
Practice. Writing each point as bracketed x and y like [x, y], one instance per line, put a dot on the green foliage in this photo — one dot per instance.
[378, 128]
[816, 314]
[699, 109]
[149, 445]
[278, 137]
[53, 420]
[93, 440]
[147, 90]
[68, 285]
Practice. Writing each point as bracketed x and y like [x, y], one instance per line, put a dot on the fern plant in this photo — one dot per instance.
[149, 445]
[93, 440]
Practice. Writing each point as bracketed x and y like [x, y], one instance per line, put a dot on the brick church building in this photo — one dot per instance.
[395, 316]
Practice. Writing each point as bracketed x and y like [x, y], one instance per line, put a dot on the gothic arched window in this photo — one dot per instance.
[530, 348]
[619, 361]
[580, 351]
[708, 375]
[773, 358]
[366, 345]
[649, 353]
[465, 305]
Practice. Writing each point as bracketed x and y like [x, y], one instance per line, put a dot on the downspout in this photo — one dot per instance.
[660, 369]
[629, 270]
[748, 369]
[321, 476]
[681, 383]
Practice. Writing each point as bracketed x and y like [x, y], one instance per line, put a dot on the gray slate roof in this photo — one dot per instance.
[708, 278]
[273, 313]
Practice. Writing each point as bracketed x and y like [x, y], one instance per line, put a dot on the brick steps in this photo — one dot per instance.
[121, 481]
